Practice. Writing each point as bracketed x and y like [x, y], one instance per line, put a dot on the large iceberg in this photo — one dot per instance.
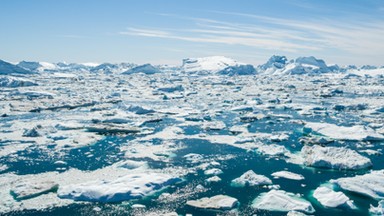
[212, 64]
[13, 82]
[131, 186]
[279, 200]
[238, 70]
[146, 69]
[329, 198]
[370, 184]
[334, 158]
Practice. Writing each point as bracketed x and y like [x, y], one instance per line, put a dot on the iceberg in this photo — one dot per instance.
[334, 158]
[131, 186]
[146, 69]
[329, 198]
[370, 184]
[218, 202]
[287, 175]
[14, 82]
[211, 64]
[250, 178]
[354, 133]
[282, 201]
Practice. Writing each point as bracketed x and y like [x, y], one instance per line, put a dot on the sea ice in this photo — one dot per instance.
[354, 133]
[250, 178]
[131, 186]
[287, 175]
[329, 198]
[334, 158]
[279, 200]
[218, 202]
[370, 184]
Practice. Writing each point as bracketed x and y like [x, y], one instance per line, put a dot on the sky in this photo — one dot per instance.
[167, 31]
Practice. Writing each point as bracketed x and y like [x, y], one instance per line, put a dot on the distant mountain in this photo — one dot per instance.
[146, 69]
[8, 68]
[209, 65]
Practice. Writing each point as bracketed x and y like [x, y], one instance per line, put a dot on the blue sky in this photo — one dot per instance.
[166, 31]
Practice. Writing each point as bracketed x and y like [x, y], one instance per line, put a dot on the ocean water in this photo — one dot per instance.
[234, 162]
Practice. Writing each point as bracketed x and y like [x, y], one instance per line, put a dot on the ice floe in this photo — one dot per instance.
[218, 202]
[331, 199]
[250, 178]
[282, 201]
[370, 184]
[287, 175]
[334, 158]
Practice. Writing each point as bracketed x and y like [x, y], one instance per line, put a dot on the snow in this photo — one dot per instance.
[282, 201]
[250, 178]
[354, 133]
[370, 184]
[218, 202]
[331, 199]
[334, 158]
[131, 186]
[287, 175]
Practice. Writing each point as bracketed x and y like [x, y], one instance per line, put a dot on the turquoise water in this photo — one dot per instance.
[106, 152]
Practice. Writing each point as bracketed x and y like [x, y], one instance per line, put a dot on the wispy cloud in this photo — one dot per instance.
[271, 33]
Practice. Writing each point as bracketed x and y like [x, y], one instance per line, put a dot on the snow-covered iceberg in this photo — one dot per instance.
[131, 186]
[282, 201]
[212, 64]
[146, 69]
[250, 178]
[334, 158]
[13, 82]
[332, 199]
[354, 133]
[218, 202]
[370, 184]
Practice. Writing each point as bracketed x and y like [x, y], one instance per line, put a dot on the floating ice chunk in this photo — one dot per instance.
[131, 186]
[329, 198]
[279, 137]
[218, 202]
[243, 108]
[287, 175]
[250, 178]
[238, 70]
[379, 210]
[27, 190]
[334, 158]
[272, 150]
[371, 184]
[213, 179]
[213, 171]
[279, 200]
[193, 158]
[236, 129]
[354, 133]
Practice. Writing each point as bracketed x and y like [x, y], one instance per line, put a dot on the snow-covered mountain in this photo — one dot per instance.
[8, 68]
